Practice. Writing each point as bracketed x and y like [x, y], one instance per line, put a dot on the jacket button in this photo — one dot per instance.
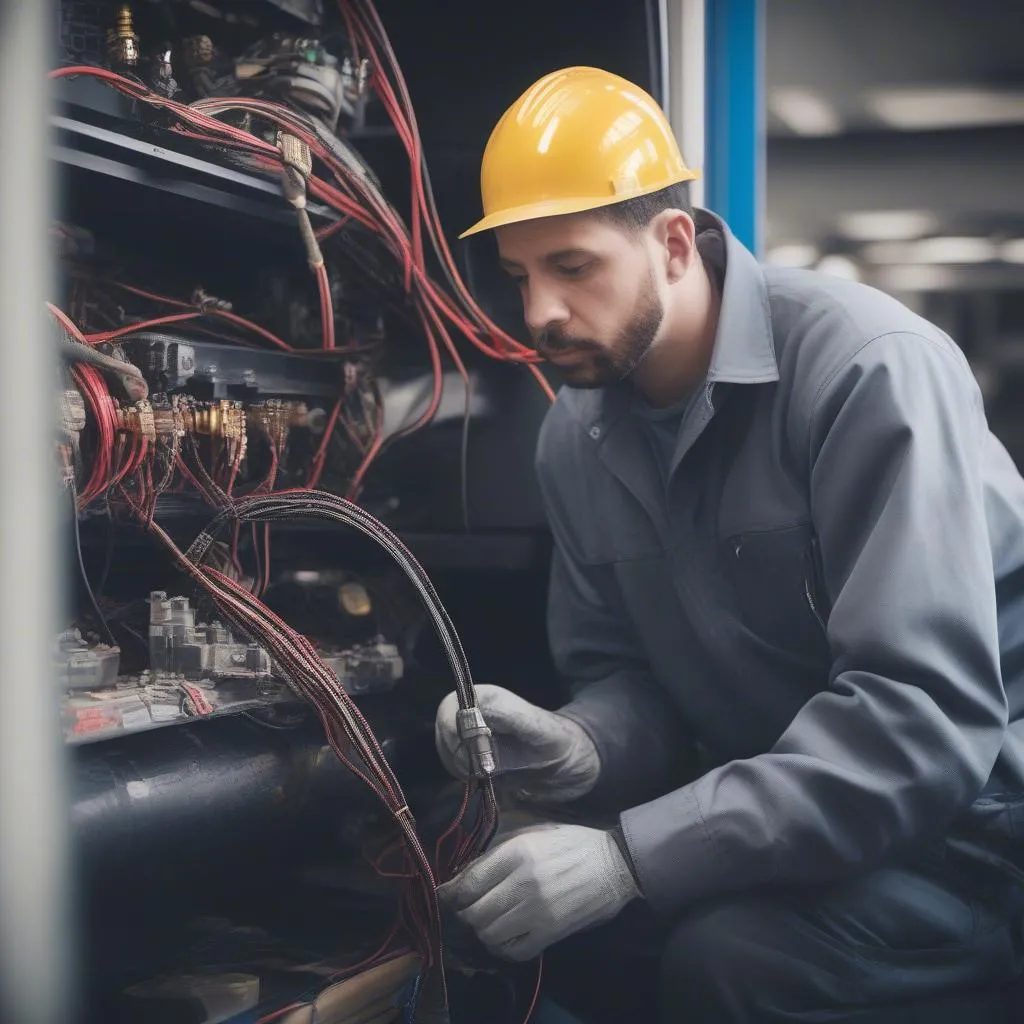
[595, 432]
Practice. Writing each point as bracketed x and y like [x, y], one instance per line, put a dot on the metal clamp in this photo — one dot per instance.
[474, 733]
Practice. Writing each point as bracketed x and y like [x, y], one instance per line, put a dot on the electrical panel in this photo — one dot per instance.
[277, 385]
[271, 368]
[211, 355]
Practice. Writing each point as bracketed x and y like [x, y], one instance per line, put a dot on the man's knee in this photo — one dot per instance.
[888, 938]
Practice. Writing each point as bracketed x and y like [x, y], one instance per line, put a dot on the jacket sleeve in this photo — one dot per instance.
[907, 732]
[639, 735]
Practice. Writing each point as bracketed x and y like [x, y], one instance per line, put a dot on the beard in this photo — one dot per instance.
[593, 365]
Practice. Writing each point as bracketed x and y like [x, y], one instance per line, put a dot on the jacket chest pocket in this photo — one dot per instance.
[777, 588]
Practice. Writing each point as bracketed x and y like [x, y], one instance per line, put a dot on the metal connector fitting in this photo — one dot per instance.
[474, 733]
[295, 153]
[122, 41]
[296, 167]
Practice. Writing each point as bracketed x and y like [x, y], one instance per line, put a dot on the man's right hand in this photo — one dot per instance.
[548, 757]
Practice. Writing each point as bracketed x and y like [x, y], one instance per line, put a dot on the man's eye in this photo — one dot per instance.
[573, 271]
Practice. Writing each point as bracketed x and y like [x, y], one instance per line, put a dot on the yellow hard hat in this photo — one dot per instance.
[578, 139]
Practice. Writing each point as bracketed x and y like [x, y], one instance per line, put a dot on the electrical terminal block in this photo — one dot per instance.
[138, 419]
[274, 419]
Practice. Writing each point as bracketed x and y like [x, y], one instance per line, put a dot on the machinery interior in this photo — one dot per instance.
[265, 334]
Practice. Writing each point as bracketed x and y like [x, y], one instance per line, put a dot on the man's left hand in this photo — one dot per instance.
[539, 886]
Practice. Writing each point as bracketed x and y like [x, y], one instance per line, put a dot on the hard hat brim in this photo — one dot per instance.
[562, 207]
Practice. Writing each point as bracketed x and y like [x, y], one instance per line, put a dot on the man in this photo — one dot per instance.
[788, 589]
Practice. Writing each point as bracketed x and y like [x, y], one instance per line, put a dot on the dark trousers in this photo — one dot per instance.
[896, 946]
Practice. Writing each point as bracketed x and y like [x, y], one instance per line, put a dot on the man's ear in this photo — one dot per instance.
[675, 234]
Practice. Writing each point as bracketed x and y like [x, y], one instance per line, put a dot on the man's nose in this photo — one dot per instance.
[543, 309]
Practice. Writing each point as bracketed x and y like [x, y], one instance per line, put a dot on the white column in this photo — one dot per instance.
[35, 929]
[685, 94]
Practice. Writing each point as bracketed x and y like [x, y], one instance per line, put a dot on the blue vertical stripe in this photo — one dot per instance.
[734, 112]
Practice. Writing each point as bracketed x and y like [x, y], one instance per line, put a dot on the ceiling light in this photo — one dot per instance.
[804, 113]
[924, 109]
[1012, 251]
[796, 254]
[916, 279]
[933, 251]
[886, 225]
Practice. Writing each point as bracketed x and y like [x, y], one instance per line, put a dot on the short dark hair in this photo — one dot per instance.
[636, 213]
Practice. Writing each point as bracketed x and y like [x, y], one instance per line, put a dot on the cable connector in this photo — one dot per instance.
[474, 733]
[209, 303]
[297, 166]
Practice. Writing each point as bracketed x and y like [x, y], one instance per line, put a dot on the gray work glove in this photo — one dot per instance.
[550, 758]
[543, 884]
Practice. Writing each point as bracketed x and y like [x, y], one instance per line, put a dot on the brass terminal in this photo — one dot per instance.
[122, 42]
[137, 419]
[274, 418]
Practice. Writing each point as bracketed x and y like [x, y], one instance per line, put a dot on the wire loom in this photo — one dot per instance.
[347, 731]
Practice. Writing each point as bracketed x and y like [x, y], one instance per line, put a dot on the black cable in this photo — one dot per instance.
[105, 627]
[108, 559]
[135, 635]
[321, 505]
[76, 352]
[263, 724]
[347, 730]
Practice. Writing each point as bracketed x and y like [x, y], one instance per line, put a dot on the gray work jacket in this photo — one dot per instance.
[827, 594]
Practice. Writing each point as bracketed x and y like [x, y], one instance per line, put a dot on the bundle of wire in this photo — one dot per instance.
[354, 194]
[347, 731]
[118, 454]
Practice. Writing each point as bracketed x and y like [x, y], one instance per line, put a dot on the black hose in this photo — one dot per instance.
[321, 505]
[129, 376]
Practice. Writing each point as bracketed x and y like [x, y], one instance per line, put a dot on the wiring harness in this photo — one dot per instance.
[347, 731]
[140, 452]
[310, 161]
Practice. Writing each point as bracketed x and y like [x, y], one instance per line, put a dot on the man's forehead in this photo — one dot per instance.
[550, 239]
[544, 256]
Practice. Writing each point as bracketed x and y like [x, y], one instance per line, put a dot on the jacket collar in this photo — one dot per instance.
[744, 350]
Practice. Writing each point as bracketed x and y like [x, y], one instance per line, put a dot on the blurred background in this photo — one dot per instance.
[895, 155]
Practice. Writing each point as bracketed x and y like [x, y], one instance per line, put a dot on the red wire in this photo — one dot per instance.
[317, 465]
[250, 326]
[374, 957]
[453, 827]
[326, 306]
[409, 131]
[401, 242]
[223, 314]
[536, 990]
[355, 485]
[94, 389]
[266, 561]
[280, 1013]
[269, 155]
[103, 336]
[331, 229]
[353, 41]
